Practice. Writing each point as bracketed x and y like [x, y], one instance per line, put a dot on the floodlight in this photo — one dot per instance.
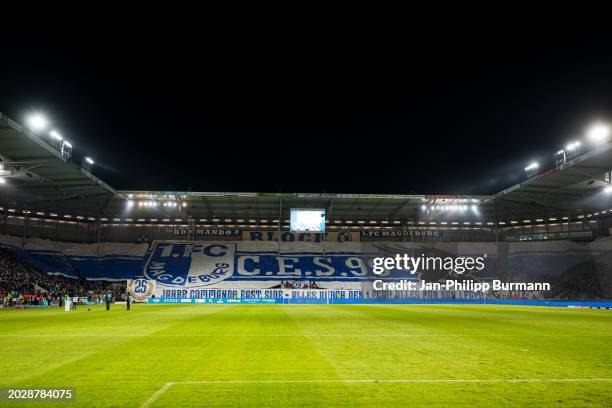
[89, 160]
[37, 121]
[67, 144]
[532, 166]
[598, 132]
[608, 189]
[424, 207]
[2, 180]
[130, 203]
[572, 146]
[56, 135]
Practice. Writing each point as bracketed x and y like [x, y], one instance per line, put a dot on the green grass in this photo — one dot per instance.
[300, 355]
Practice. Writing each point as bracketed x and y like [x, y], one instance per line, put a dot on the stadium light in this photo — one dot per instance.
[424, 207]
[2, 180]
[608, 189]
[37, 121]
[130, 203]
[532, 166]
[56, 135]
[88, 163]
[572, 146]
[598, 132]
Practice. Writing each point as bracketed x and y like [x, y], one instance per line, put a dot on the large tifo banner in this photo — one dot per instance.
[179, 269]
[191, 267]
[99, 261]
[188, 269]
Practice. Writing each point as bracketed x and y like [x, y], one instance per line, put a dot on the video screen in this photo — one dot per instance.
[307, 220]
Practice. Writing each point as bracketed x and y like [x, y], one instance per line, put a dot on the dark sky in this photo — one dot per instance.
[348, 114]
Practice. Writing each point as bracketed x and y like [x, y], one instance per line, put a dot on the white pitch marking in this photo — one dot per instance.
[157, 394]
[167, 385]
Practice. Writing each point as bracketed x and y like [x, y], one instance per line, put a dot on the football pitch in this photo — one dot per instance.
[311, 355]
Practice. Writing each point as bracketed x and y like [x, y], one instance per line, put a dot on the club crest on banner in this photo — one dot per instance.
[190, 265]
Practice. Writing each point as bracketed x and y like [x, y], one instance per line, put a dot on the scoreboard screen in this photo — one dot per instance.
[307, 220]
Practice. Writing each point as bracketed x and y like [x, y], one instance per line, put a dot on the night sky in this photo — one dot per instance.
[343, 115]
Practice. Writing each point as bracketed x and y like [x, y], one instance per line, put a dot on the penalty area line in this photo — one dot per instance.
[167, 385]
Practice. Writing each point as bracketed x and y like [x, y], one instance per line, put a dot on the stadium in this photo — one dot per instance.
[182, 298]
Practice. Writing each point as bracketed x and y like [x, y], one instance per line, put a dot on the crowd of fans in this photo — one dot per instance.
[299, 284]
[23, 284]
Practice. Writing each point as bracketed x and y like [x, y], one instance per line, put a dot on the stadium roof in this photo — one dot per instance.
[39, 176]
[574, 187]
[41, 179]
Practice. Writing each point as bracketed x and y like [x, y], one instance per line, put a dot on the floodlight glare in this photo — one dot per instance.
[423, 207]
[37, 121]
[532, 166]
[56, 135]
[67, 144]
[2, 180]
[89, 160]
[571, 146]
[130, 203]
[598, 132]
[608, 190]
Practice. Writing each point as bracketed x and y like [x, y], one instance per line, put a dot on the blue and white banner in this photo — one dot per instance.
[253, 264]
[266, 264]
[51, 262]
[103, 261]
